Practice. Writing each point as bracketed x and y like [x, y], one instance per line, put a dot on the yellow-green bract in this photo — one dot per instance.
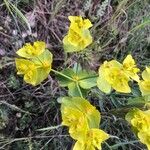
[78, 36]
[83, 121]
[113, 74]
[36, 65]
[140, 121]
[145, 83]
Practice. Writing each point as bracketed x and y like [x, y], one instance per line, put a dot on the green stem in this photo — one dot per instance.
[57, 72]
[79, 89]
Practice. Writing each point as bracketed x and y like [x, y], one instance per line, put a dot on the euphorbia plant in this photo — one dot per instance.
[78, 114]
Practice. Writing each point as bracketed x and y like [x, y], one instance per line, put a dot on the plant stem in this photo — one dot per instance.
[57, 72]
[79, 89]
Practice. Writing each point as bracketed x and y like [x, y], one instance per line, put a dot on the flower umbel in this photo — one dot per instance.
[83, 121]
[92, 140]
[145, 83]
[30, 51]
[113, 74]
[145, 138]
[140, 121]
[76, 121]
[130, 68]
[78, 37]
[36, 65]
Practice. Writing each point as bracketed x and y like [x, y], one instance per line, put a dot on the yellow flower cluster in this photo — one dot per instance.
[145, 83]
[35, 64]
[78, 37]
[113, 74]
[140, 121]
[83, 121]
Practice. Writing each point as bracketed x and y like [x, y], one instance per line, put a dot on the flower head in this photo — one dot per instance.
[140, 121]
[145, 138]
[78, 23]
[92, 140]
[113, 74]
[83, 121]
[23, 65]
[36, 65]
[78, 37]
[145, 83]
[76, 121]
[30, 51]
[31, 77]
[130, 68]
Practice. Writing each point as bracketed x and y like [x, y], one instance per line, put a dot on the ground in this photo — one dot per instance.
[119, 27]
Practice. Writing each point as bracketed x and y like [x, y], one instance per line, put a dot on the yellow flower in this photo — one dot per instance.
[30, 51]
[78, 37]
[31, 77]
[92, 140]
[145, 138]
[78, 23]
[111, 75]
[84, 107]
[23, 65]
[34, 68]
[139, 119]
[76, 121]
[145, 83]
[83, 121]
[115, 75]
[130, 68]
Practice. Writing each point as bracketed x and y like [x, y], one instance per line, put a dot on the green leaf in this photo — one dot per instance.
[80, 80]
[74, 91]
[85, 74]
[63, 81]
[69, 72]
[88, 83]
[87, 79]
